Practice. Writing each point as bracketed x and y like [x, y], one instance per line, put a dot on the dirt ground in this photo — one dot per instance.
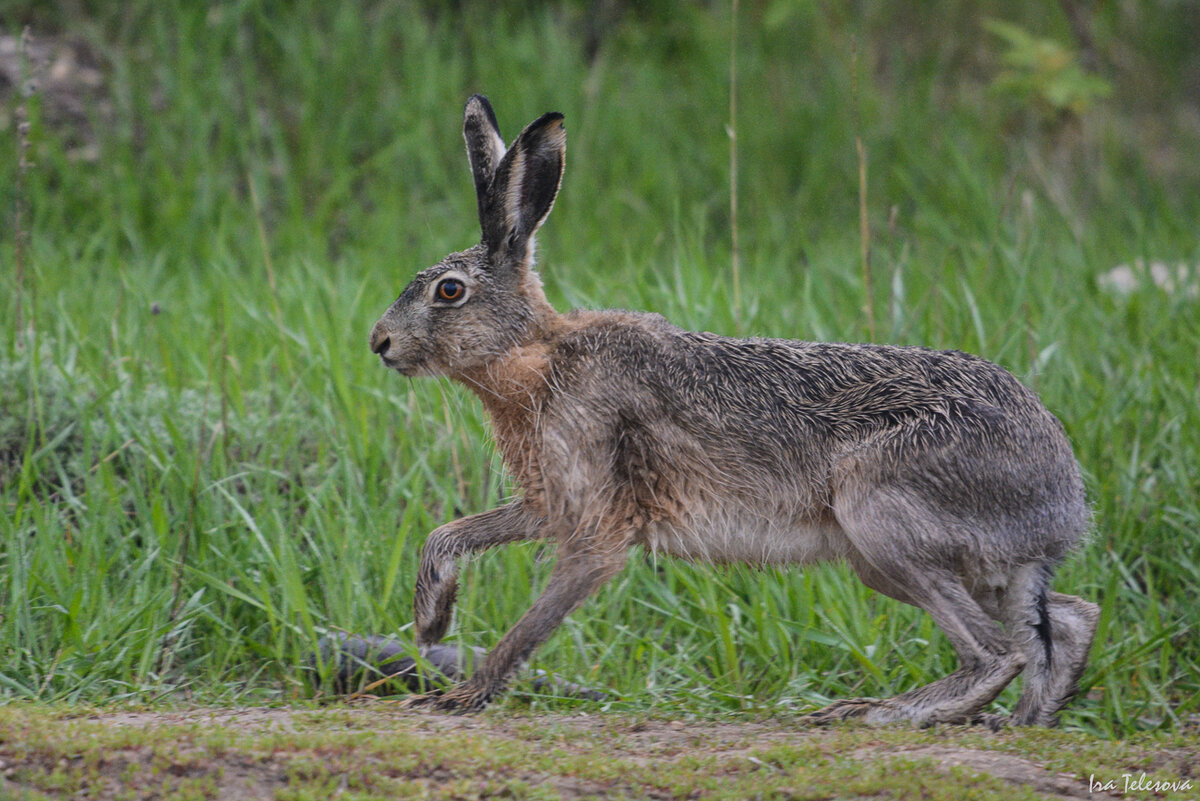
[380, 751]
[673, 740]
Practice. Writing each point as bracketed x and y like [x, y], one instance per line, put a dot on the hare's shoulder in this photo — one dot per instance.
[590, 332]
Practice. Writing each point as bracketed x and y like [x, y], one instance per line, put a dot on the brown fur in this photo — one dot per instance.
[513, 390]
[941, 479]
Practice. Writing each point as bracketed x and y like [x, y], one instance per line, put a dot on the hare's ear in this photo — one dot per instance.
[485, 147]
[523, 189]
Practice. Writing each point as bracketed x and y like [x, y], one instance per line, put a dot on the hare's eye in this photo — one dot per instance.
[451, 290]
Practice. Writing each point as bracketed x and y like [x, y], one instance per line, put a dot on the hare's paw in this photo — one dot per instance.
[420, 700]
[992, 721]
[433, 605]
[876, 712]
[431, 628]
[462, 699]
[846, 709]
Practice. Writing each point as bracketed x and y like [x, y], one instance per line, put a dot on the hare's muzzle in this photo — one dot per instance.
[394, 349]
[383, 344]
[380, 341]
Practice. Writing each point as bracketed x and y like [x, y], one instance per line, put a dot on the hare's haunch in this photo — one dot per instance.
[936, 475]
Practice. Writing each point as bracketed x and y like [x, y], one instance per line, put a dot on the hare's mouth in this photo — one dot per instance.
[401, 367]
[404, 367]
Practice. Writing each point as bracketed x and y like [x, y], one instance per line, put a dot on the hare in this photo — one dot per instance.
[936, 475]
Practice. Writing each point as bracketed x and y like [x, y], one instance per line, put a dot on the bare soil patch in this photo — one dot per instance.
[382, 751]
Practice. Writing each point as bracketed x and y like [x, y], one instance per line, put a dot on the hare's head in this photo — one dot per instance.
[472, 306]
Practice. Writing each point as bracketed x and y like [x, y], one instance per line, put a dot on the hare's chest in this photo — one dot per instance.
[515, 433]
[513, 391]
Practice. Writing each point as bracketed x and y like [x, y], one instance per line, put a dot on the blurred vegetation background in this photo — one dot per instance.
[205, 206]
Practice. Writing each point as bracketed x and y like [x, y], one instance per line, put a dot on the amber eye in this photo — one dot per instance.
[451, 290]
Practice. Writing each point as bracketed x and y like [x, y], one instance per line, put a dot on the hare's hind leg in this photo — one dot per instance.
[885, 533]
[1056, 656]
[437, 577]
[988, 665]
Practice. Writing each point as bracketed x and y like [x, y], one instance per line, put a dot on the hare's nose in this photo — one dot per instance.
[380, 341]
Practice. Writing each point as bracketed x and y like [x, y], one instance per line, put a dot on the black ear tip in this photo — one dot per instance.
[549, 120]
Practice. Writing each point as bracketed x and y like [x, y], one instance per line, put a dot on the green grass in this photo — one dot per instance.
[204, 468]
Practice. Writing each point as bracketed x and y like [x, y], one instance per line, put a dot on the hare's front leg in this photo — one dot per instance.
[581, 570]
[437, 578]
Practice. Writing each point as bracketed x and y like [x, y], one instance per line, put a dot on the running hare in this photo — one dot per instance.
[940, 478]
